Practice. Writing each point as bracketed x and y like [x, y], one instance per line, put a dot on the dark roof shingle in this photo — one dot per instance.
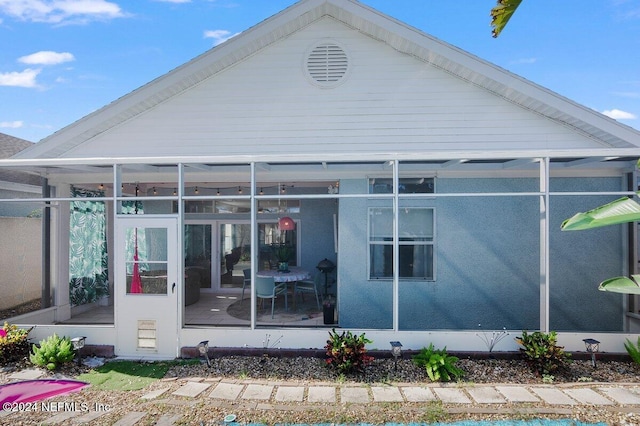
[10, 145]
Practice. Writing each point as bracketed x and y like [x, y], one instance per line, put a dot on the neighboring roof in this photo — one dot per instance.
[14, 180]
[10, 145]
[401, 37]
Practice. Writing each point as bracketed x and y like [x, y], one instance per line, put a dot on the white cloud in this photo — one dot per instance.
[60, 11]
[173, 1]
[11, 124]
[619, 114]
[47, 57]
[219, 36]
[26, 78]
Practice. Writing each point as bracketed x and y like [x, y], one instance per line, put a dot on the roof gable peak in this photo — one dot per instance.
[368, 21]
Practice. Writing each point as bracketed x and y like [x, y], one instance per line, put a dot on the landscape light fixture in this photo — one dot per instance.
[396, 351]
[592, 346]
[78, 343]
[203, 348]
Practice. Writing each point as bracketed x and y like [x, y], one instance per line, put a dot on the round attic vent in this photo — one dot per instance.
[327, 64]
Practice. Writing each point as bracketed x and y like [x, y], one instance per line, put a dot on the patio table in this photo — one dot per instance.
[295, 274]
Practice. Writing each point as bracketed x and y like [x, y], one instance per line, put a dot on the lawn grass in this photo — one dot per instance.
[126, 375]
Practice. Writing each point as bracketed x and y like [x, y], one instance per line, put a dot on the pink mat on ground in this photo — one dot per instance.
[37, 390]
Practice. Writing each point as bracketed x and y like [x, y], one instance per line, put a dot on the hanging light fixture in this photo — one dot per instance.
[286, 224]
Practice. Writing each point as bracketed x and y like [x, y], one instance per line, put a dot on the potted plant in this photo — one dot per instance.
[283, 254]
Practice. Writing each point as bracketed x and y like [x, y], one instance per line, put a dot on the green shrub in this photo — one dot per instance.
[541, 352]
[52, 352]
[346, 352]
[633, 350]
[440, 366]
[14, 344]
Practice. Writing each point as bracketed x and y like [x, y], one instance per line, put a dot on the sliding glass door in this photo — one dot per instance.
[234, 251]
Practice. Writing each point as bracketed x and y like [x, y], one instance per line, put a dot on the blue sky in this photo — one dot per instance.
[63, 59]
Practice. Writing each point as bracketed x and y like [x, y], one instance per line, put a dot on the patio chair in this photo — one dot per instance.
[308, 286]
[246, 282]
[266, 288]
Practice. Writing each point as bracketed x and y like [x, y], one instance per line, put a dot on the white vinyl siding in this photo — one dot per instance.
[389, 102]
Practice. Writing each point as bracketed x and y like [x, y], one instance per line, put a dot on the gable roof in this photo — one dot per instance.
[607, 132]
[15, 180]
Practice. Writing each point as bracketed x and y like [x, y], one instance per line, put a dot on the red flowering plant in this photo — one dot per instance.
[346, 352]
[14, 344]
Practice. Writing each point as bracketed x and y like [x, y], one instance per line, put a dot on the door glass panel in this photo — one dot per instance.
[235, 253]
[197, 255]
[146, 261]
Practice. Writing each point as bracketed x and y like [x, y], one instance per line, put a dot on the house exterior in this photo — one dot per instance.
[434, 181]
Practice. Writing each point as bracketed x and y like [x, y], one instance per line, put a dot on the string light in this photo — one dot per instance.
[282, 188]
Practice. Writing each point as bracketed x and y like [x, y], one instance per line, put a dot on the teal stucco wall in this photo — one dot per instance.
[487, 265]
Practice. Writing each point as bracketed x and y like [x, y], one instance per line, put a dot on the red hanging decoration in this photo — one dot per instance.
[286, 224]
[136, 281]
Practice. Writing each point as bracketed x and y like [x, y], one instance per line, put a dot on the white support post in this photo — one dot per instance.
[544, 244]
[60, 255]
[180, 260]
[254, 245]
[396, 245]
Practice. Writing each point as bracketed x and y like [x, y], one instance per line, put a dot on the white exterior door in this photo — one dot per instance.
[147, 287]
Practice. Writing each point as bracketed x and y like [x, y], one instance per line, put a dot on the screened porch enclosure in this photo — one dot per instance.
[418, 245]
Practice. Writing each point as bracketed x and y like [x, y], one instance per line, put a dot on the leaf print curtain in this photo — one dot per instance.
[88, 266]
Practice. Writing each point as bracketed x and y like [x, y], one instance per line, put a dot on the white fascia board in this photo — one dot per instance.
[324, 157]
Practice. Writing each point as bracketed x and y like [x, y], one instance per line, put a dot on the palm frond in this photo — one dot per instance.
[501, 14]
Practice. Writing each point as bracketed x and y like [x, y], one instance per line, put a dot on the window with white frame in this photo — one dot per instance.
[418, 185]
[416, 238]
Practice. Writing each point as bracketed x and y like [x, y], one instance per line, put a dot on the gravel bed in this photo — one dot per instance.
[405, 371]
